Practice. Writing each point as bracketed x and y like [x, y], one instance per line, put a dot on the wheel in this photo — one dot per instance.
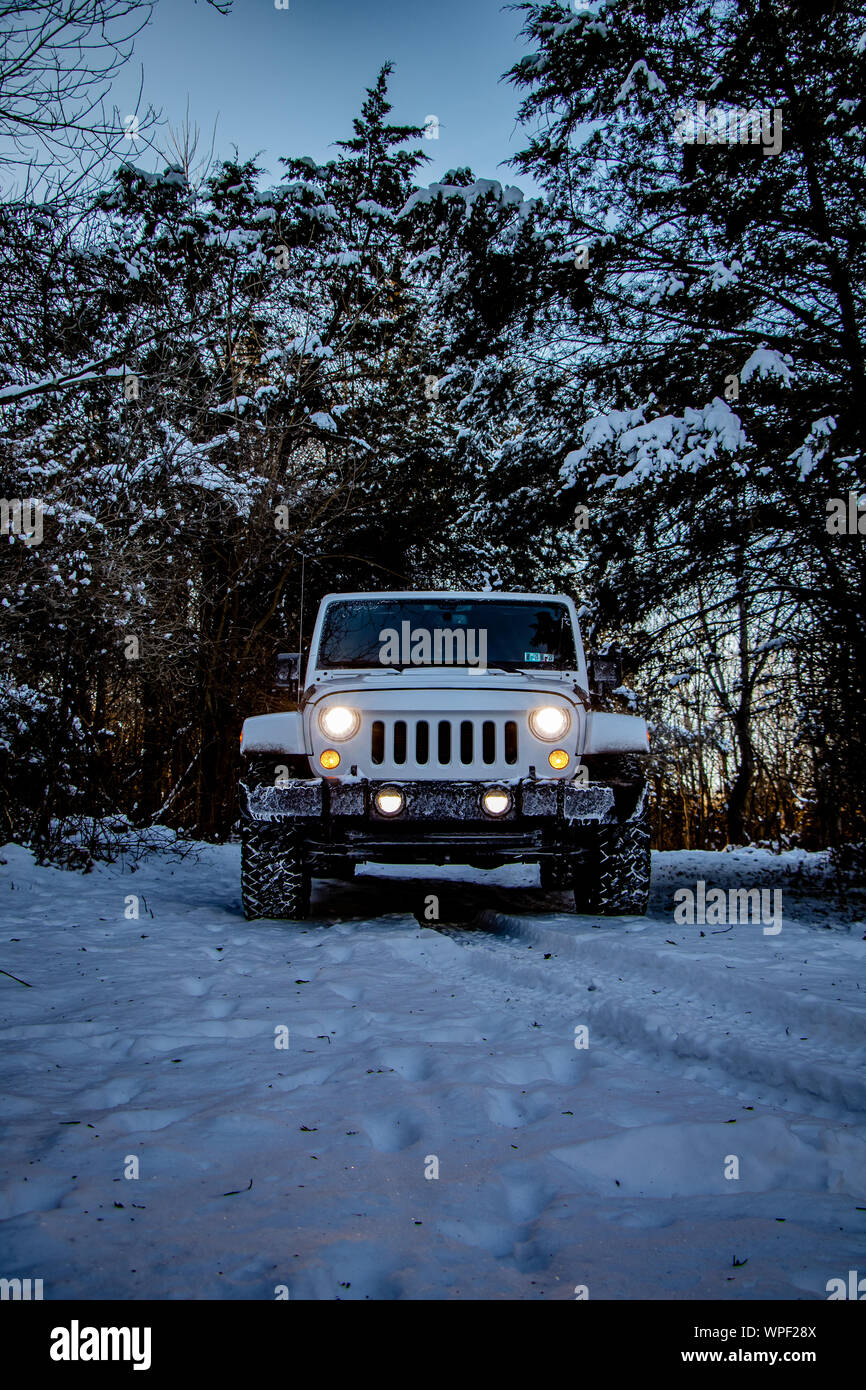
[613, 879]
[274, 879]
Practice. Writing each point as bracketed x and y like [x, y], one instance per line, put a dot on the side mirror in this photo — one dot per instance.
[605, 672]
[288, 673]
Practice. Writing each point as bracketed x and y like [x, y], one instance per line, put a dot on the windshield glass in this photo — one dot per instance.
[441, 632]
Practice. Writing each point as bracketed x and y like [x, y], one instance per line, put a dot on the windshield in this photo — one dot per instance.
[439, 632]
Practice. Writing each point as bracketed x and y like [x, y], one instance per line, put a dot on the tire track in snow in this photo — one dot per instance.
[613, 990]
[844, 1027]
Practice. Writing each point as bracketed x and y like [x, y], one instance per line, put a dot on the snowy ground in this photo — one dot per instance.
[305, 1167]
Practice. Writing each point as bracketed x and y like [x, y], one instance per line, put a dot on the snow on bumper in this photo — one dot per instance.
[439, 801]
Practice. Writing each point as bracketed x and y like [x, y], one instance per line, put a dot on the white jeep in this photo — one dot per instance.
[439, 728]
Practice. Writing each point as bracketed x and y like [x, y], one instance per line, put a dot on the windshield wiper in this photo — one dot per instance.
[507, 667]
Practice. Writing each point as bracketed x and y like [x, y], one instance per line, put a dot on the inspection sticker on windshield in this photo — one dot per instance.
[538, 656]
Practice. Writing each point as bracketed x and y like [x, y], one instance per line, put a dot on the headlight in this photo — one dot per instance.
[549, 722]
[336, 721]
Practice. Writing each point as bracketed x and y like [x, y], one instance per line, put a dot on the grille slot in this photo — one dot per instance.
[377, 743]
[422, 742]
[488, 741]
[466, 741]
[400, 741]
[511, 742]
[444, 743]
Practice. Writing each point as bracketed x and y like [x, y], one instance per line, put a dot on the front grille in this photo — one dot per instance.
[449, 744]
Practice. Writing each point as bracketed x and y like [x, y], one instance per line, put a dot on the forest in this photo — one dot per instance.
[220, 400]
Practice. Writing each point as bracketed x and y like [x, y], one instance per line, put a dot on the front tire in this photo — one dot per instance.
[275, 881]
[613, 878]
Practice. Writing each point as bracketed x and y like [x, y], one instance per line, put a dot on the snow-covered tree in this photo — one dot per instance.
[704, 171]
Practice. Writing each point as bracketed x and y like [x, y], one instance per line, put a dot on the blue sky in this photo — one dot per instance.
[290, 81]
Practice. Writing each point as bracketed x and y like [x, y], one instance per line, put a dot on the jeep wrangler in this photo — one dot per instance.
[440, 728]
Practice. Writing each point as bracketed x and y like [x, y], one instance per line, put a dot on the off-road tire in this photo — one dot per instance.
[275, 882]
[613, 878]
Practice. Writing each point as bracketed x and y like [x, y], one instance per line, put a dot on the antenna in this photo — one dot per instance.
[301, 630]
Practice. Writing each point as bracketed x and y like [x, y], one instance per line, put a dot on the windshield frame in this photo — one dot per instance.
[571, 661]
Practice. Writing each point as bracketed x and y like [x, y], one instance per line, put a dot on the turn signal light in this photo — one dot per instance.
[558, 759]
[329, 759]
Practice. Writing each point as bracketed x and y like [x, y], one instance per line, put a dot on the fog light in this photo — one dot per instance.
[496, 802]
[330, 758]
[558, 759]
[389, 801]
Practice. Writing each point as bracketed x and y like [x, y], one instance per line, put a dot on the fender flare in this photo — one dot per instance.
[614, 733]
[274, 733]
